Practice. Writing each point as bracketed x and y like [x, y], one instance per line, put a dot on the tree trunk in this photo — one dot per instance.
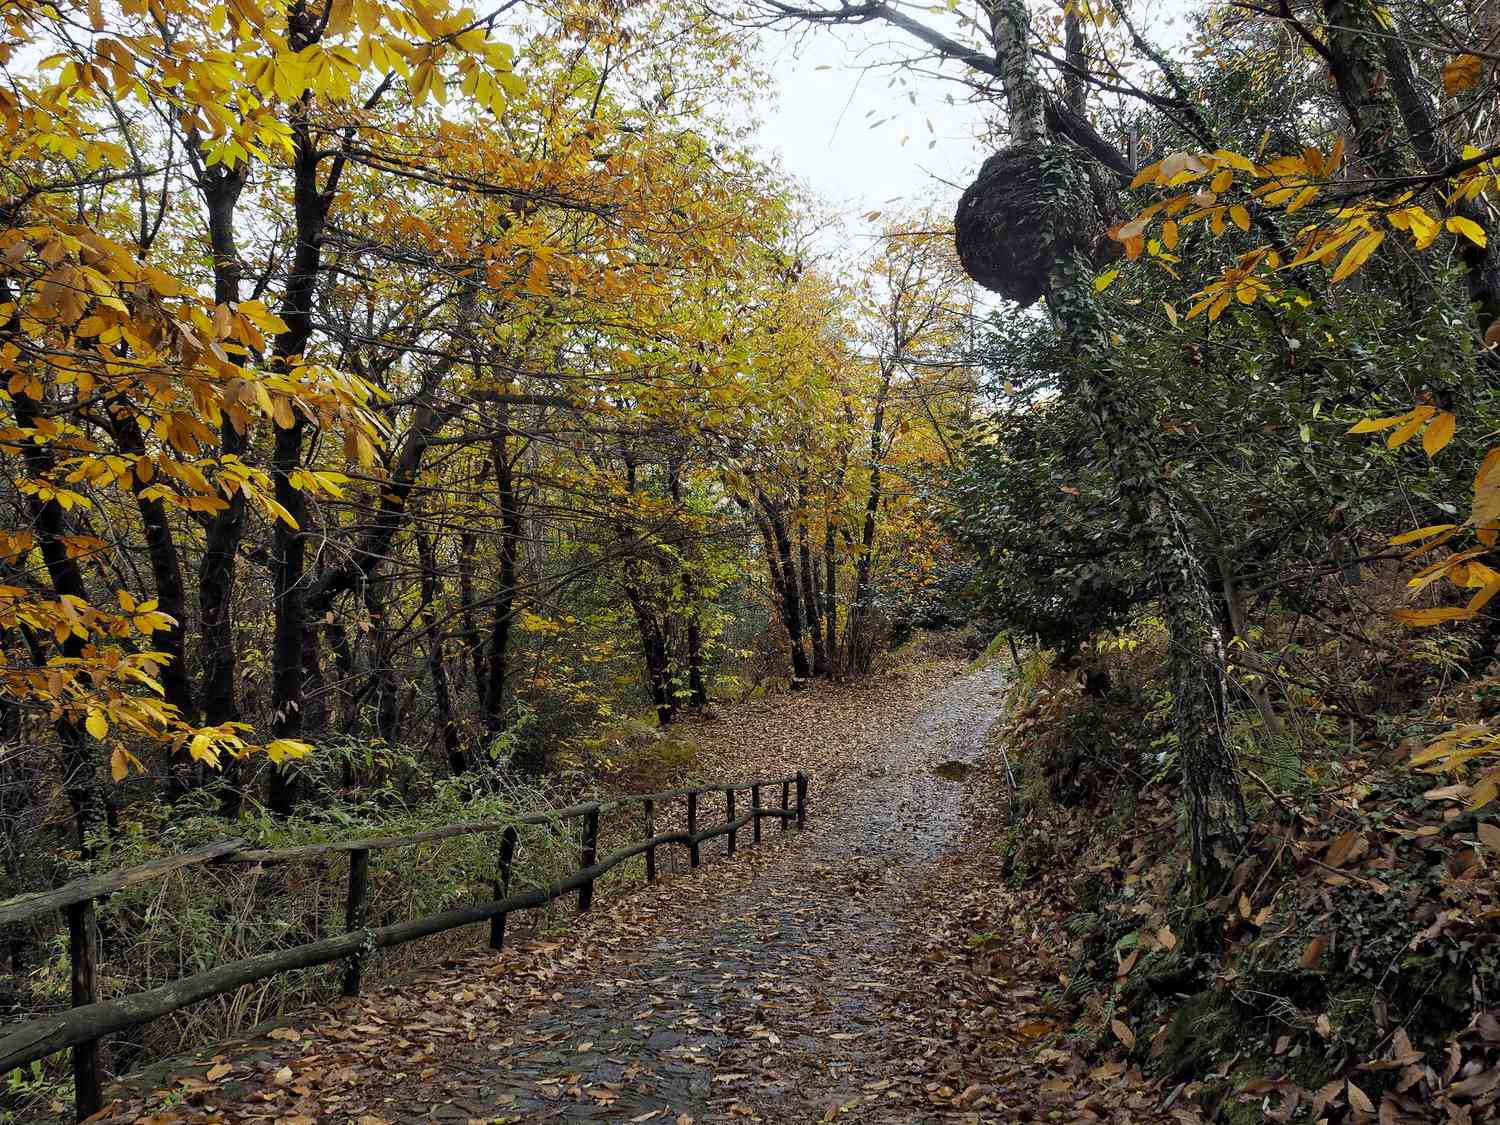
[374, 543]
[310, 203]
[831, 594]
[809, 583]
[1216, 813]
[317, 716]
[221, 188]
[510, 541]
[654, 652]
[697, 683]
[468, 611]
[166, 573]
[343, 663]
[458, 762]
[1481, 263]
[697, 688]
[860, 646]
[785, 573]
[49, 525]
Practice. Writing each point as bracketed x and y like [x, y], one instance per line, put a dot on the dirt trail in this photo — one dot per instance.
[773, 1009]
[757, 990]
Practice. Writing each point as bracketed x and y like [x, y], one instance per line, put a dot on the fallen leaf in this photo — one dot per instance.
[1314, 952]
[1341, 848]
[1359, 1101]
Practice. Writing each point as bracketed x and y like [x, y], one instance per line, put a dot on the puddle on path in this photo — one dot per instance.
[953, 771]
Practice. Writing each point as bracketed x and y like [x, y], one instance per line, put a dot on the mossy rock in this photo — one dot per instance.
[1202, 1030]
[1234, 1110]
[1351, 1014]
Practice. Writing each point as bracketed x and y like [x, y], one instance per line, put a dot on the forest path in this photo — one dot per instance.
[769, 988]
[772, 1006]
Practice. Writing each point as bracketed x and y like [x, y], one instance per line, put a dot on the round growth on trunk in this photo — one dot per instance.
[1029, 206]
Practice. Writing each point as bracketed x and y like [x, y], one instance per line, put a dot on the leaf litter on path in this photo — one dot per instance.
[827, 977]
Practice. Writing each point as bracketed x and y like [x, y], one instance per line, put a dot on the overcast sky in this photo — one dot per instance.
[830, 90]
[829, 87]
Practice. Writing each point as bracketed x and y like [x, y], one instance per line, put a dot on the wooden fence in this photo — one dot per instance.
[89, 1020]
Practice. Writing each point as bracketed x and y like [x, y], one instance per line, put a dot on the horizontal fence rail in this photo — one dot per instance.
[82, 1026]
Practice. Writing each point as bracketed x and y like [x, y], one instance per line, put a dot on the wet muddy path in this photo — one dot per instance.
[771, 1008]
[773, 988]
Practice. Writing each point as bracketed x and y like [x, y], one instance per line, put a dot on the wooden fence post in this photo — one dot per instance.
[692, 827]
[755, 810]
[588, 855]
[729, 816]
[354, 914]
[786, 802]
[801, 800]
[83, 953]
[502, 885]
[650, 816]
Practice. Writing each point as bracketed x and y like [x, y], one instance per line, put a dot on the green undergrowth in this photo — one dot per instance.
[195, 918]
[1360, 910]
[638, 756]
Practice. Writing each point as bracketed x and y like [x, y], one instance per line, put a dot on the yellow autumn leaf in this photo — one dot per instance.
[1491, 459]
[284, 748]
[96, 724]
[1462, 73]
[1375, 425]
[1486, 509]
[1434, 616]
[1405, 433]
[423, 81]
[1476, 576]
[1485, 792]
[1430, 545]
[1439, 432]
[1484, 596]
[1358, 254]
[1419, 533]
[1146, 175]
[1235, 160]
[1471, 230]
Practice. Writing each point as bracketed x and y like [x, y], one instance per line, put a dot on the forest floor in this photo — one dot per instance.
[828, 975]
